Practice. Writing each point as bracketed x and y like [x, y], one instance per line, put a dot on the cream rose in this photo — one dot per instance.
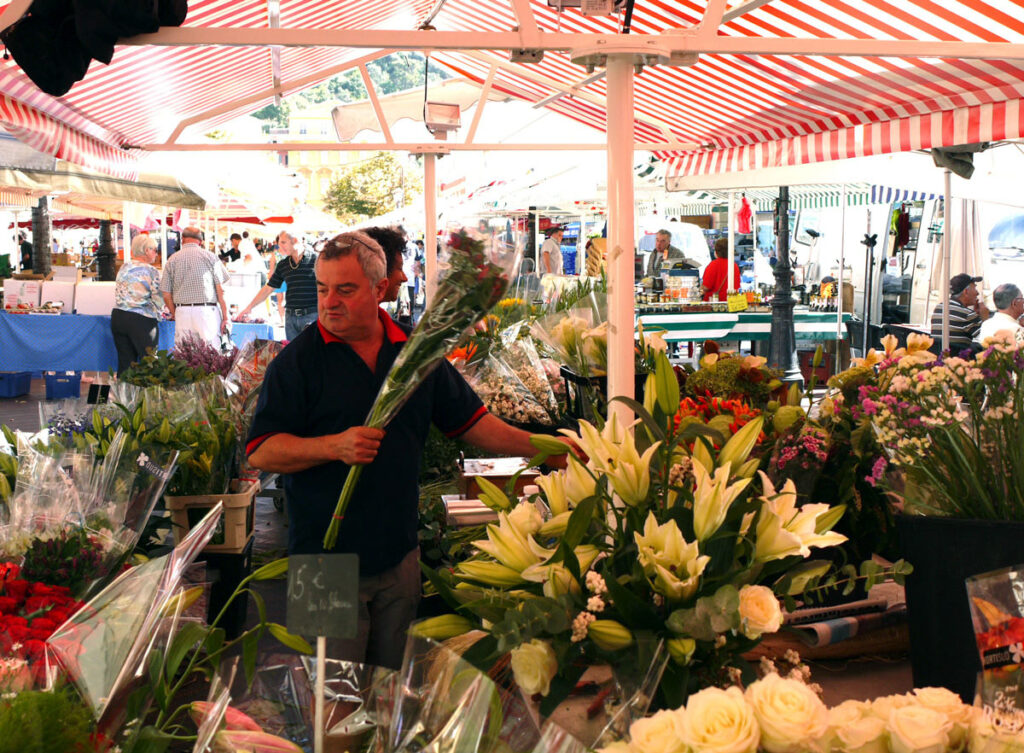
[864, 735]
[718, 721]
[839, 716]
[792, 718]
[657, 733]
[533, 666]
[916, 729]
[884, 705]
[760, 612]
[948, 703]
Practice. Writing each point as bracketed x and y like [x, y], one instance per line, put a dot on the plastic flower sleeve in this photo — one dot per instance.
[477, 274]
[105, 644]
[358, 701]
[504, 394]
[521, 356]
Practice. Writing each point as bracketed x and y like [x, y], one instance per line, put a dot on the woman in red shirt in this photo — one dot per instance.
[716, 275]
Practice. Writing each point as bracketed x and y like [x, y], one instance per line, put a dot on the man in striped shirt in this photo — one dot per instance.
[296, 270]
[966, 313]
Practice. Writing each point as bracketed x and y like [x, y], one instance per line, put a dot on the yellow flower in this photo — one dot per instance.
[507, 544]
[631, 473]
[783, 530]
[489, 573]
[556, 525]
[681, 649]
[580, 483]
[553, 486]
[555, 576]
[712, 498]
[872, 357]
[609, 635]
[673, 565]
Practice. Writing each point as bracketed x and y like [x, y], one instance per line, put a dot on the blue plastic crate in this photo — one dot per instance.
[15, 383]
[60, 385]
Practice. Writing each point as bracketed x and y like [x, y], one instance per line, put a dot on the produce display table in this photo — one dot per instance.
[809, 326]
[74, 342]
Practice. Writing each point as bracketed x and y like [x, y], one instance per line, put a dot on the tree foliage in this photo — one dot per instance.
[394, 73]
[372, 187]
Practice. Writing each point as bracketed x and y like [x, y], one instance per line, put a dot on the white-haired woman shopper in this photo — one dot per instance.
[135, 318]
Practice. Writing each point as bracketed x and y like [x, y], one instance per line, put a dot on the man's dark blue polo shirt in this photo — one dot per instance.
[318, 386]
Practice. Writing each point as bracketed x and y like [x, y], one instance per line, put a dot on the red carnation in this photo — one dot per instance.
[8, 605]
[16, 588]
[44, 623]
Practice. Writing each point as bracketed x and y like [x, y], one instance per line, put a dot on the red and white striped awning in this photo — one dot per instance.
[780, 82]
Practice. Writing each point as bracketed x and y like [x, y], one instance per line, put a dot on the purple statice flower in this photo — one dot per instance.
[877, 469]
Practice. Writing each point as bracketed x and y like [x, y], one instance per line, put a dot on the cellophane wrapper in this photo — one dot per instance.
[522, 357]
[997, 610]
[244, 383]
[104, 646]
[503, 392]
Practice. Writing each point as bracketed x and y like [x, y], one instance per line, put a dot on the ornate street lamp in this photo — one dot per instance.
[782, 342]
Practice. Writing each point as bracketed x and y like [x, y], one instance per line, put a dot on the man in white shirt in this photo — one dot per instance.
[193, 289]
[551, 254]
[1009, 307]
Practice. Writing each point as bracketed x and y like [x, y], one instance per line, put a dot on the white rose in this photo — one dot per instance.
[883, 706]
[533, 666]
[792, 718]
[841, 715]
[759, 611]
[718, 721]
[656, 734]
[864, 735]
[916, 729]
[526, 518]
[948, 703]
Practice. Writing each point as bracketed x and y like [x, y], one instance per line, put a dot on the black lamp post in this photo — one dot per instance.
[782, 345]
[105, 257]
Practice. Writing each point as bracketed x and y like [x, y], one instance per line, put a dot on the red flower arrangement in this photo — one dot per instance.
[30, 612]
[706, 407]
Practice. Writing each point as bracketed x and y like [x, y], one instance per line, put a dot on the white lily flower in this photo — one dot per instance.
[674, 565]
[631, 475]
[507, 544]
[553, 486]
[784, 530]
[712, 498]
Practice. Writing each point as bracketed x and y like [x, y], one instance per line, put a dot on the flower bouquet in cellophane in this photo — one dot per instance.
[662, 536]
[474, 276]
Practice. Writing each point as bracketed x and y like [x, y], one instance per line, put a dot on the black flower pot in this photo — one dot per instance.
[944, 552]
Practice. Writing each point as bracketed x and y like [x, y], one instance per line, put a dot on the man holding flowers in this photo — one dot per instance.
[309, 426]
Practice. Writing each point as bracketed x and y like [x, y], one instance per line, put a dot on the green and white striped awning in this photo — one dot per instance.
[817, 196]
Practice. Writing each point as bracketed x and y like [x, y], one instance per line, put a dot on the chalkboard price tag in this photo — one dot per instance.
[323, 595]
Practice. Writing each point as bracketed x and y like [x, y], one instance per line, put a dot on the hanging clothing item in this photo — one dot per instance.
[903, 228]
[744, 217]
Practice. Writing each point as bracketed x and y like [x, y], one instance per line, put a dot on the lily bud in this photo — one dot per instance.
[441, 628]
[681, 650]
[609, 635]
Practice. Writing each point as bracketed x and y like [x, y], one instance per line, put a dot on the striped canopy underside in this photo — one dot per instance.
[747, 110]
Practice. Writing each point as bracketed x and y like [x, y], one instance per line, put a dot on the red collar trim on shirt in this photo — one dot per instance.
[392, 331]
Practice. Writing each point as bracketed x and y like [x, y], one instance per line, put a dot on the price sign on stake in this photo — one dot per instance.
[323, 601]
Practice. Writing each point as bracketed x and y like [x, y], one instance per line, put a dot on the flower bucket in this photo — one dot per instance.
[945, 551]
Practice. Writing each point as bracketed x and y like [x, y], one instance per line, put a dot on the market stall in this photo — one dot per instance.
[77, 342]
[810, 326]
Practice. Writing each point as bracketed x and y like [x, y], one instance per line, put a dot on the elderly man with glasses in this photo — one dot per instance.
[1009, 305]
[309, 427]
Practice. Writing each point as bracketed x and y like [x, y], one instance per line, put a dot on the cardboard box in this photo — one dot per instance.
[95, 298]
[67, 274]
[59, 291]
[21, 291]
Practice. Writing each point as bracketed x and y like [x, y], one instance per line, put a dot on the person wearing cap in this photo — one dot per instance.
[1009, 305]
[308, 426]
[551, 253]
[966, 314]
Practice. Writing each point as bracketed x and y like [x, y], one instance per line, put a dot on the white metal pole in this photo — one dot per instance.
[163, 236]
[947, 217]
[732, 281]
[321, 669]
[430, 222]
[842, 262]
[620, 223]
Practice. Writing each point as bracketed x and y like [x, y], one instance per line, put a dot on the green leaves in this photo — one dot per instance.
[292, 641]
[710, 616]
[537, 617]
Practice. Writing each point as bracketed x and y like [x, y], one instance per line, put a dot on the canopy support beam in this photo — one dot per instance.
[416, 147]
[430, 223]
[683, 42]
[485, 92]
[371, 91]
[621, 273]
[274, 91]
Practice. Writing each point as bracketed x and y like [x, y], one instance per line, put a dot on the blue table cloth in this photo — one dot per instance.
[75, 342]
